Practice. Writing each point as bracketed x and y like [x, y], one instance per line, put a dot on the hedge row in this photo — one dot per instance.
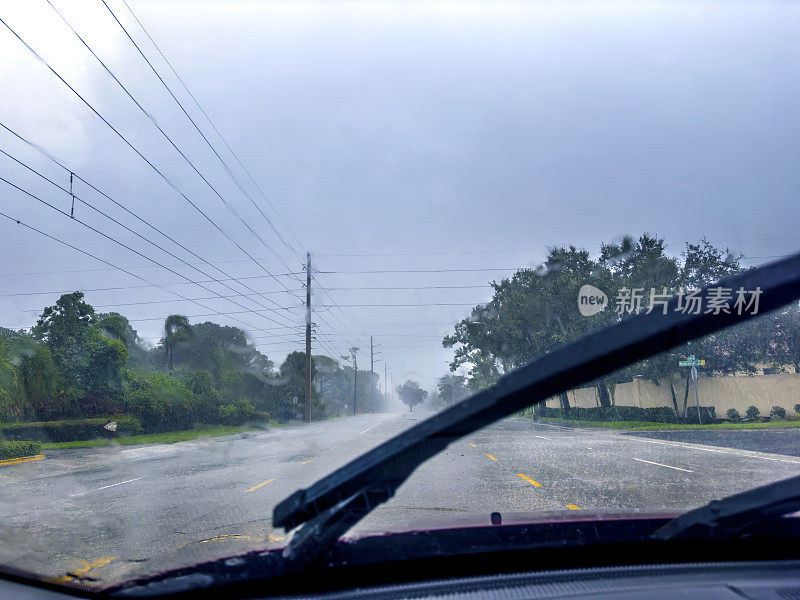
[19, 449]
[70, 431]
[661, 414]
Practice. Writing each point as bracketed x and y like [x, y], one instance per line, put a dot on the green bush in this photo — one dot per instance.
[733, 415]
[777, 412]
[70, 430]
[797, 408]
[752, 412]
[660, 414]
[18, 449]
[239, 413]
[161, 402]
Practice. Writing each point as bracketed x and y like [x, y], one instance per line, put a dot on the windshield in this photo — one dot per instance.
[247, 242]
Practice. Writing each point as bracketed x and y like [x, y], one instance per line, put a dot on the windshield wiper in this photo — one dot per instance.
[336, 502]
[737, 514]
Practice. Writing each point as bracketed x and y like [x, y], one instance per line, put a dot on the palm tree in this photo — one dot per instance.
[176, 328]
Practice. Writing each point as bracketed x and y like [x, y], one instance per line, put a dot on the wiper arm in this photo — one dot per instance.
[362, 484]
[735, 514]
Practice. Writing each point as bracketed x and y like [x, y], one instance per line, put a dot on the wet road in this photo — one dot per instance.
[102, 511]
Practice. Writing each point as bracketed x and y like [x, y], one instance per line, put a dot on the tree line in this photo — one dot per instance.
[76, 363]
[536, 311]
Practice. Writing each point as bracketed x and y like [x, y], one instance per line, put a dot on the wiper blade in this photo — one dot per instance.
[735, 514]
[359, 486]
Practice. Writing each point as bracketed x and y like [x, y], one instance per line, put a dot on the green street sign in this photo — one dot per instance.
[691, 361]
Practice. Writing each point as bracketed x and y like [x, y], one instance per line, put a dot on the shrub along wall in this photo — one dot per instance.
[70, 431]
[660, 414]
[18, 449]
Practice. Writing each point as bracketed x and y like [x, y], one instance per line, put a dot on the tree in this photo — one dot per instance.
[535, 312]
[293, 383]
[64, 324]
[452, 389]
[176, 329]
[411, 394]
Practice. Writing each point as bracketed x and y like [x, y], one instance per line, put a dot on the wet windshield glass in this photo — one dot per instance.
[422, 197]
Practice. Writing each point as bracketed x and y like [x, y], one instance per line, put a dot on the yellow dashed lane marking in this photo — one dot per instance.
[263, 483]
[305, 462]
[100, 562]
[490, 457]
[529, 480]
[572, 507]
[275, 537]
[473, 445]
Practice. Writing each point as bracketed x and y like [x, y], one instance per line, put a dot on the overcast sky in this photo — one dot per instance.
[387, 136]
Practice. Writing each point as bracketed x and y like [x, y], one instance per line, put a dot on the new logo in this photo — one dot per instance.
[591, 300]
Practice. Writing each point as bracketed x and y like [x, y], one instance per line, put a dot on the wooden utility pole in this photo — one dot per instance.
[307, 408]
[371, 375]
[354, 352]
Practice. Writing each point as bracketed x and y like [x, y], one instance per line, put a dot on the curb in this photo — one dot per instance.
[22, 459]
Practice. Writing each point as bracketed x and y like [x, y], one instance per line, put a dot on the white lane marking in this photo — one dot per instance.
[689, 446]
[650, 462]
[542, 437]
[679, 445]
[366, 430]
[105, 487]
[270, 444]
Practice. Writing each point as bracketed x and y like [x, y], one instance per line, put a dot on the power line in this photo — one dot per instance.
[224, 164]
[185, 87]
[136, 150]
[372, 271]
[89, 254]
[169, 139]
[124, 227]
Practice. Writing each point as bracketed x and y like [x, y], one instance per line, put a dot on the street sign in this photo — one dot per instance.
[691, 361]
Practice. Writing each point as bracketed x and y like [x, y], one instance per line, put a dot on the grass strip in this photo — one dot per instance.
[167, 437]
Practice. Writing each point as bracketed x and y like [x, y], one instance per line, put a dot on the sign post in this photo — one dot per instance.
[692, 362]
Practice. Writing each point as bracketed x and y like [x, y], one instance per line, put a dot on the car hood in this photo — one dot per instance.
[233, 547]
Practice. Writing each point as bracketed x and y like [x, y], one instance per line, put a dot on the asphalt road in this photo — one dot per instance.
[776, 441]
[100, 512]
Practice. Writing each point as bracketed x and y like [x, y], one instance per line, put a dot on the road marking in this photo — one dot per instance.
[650, 462]
[262, 484]
[366, 430]
[105, 487]
[22, 459]
[305, 462]
[542, 437]
[572, 507]
[678, 445]
[331, 448]
[490, 457]
[529, 480]
[270, 444]
[275, 537]
[77, 573]
[473, 445]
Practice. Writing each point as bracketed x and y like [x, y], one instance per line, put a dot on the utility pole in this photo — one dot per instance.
[71, 210]
[307, 411]
[371, 375]
[353, 353]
